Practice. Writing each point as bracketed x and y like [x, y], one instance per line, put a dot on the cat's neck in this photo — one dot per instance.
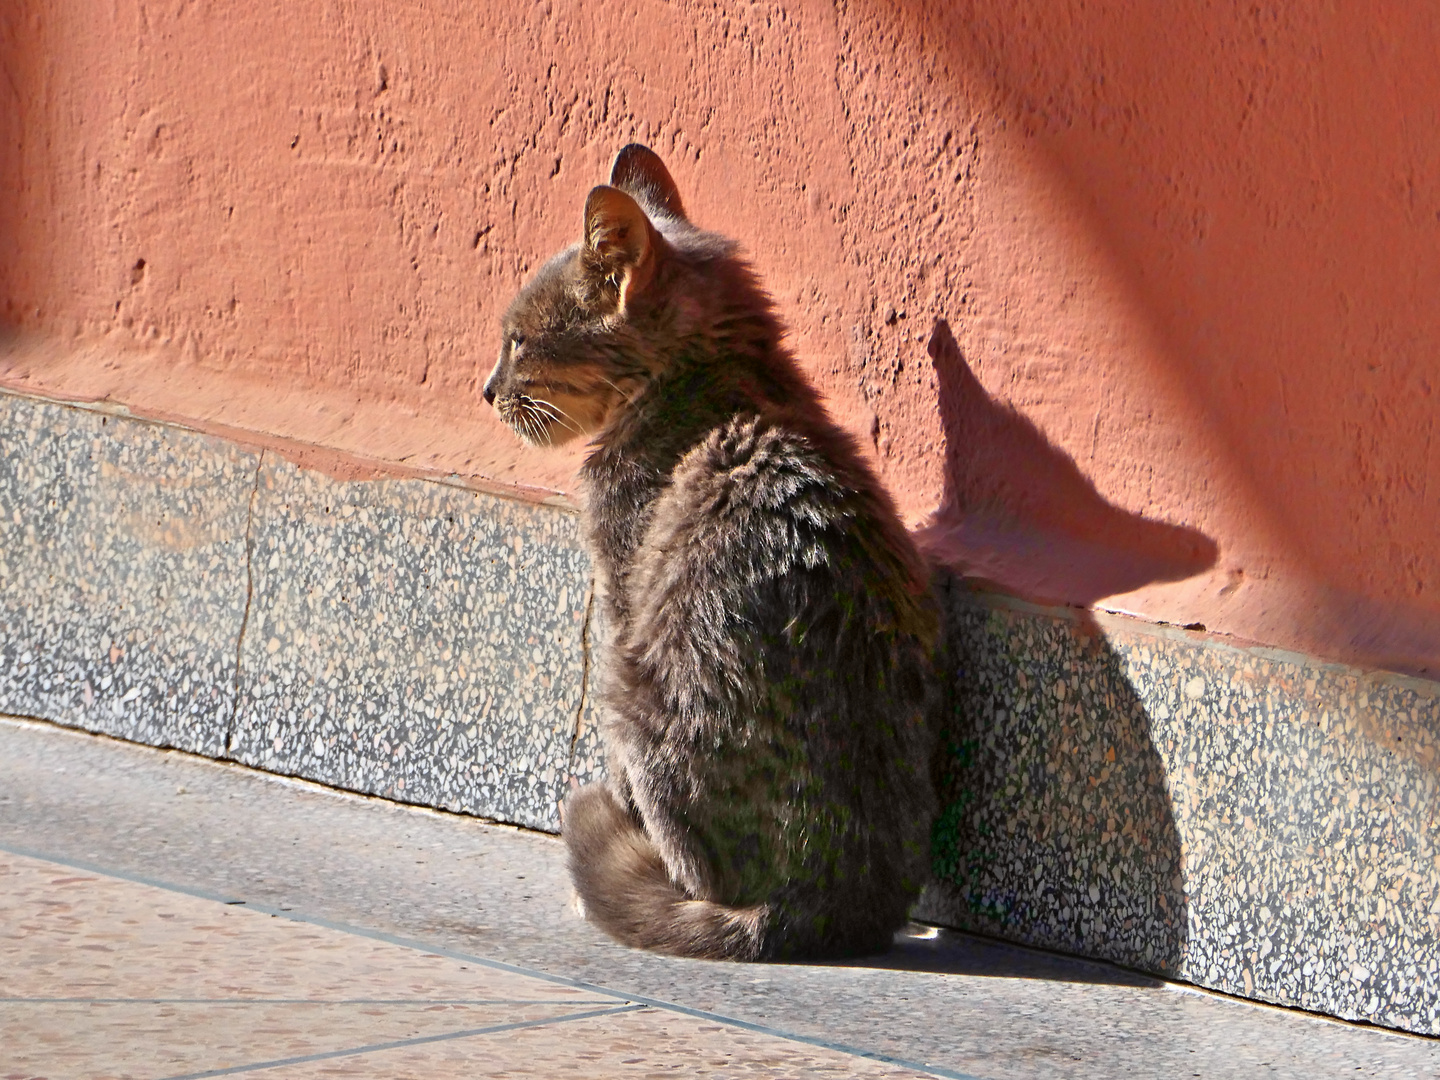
[633, 458]
[699, 389]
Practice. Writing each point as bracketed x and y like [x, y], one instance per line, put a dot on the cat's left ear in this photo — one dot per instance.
[620, 241]
[639, 171]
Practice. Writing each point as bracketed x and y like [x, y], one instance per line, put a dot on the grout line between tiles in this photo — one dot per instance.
[232, 725]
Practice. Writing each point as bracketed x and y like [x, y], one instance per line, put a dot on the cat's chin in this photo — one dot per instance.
[546, 440]
[535, 425]
[555, 436]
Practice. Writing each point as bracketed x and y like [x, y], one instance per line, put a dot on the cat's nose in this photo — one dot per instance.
[492, 381]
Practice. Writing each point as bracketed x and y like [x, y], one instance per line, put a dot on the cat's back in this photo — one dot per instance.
[773, 543]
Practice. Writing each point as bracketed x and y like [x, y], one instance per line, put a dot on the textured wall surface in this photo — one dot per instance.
[1133, 306]
[1249, 820]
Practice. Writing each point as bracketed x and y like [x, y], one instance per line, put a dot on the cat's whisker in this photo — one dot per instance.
[542, 408]
[612, 384]
[627, 395]
[524, 424]
[539, 421]
[537, 431]
[568, 425]
[559, 415]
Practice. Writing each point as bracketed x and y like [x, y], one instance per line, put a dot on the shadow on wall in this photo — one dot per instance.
[1017, 512]
[1057, 827]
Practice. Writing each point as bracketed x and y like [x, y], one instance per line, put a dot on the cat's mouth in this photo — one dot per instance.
[554, 419]
[537, 421]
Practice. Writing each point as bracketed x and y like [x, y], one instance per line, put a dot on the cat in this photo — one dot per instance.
[767, 687]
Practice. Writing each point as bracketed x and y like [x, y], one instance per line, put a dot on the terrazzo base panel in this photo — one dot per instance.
[404, 638]
[122, 574]
[416, 641]
[1252, 821]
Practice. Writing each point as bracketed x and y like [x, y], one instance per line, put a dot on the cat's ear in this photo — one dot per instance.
[620, 241]
[639, 171]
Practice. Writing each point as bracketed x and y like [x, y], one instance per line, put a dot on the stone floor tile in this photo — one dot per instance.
[107, 978]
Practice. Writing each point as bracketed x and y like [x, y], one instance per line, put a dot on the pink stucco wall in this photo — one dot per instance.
[1136, 303]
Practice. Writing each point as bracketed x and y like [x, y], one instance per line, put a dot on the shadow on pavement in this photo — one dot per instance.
[941, 951]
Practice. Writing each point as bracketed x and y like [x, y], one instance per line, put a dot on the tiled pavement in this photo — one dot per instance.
[164, 917]
[107, 977]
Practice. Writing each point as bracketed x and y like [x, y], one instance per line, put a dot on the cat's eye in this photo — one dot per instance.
[516, 340]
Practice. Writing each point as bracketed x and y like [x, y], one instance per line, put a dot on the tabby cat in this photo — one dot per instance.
[769, 676]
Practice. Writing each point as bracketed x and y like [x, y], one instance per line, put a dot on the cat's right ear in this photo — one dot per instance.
[620, 243]
[639, 170]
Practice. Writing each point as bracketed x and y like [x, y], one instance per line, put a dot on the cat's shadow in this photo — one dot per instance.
[941, 951]
[1017, 512]
[1056, 827]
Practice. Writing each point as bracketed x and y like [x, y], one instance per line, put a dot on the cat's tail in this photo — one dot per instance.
[627, 892]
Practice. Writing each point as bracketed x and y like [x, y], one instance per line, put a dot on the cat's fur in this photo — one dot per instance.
[769, 677]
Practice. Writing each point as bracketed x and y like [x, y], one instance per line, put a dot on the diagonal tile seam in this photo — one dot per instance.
[400, 1044]
[629, 999]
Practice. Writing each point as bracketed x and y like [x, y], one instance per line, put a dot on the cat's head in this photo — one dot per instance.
[581, 338]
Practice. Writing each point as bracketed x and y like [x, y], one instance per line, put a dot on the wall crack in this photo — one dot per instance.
[585, 647]
[230, 732]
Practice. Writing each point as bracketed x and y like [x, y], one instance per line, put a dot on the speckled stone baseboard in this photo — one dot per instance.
[417, 641]
[1251, 821]
[122, 571]
[1244, 819]
[406, 638]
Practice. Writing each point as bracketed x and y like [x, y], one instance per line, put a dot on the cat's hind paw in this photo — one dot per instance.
[577, 903]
